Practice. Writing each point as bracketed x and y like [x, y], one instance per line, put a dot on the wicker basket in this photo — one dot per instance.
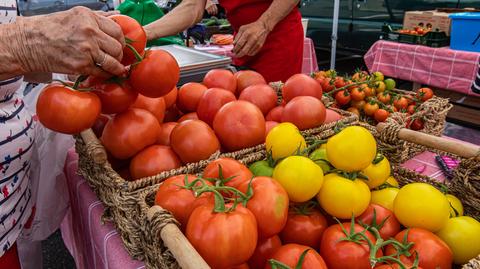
[465, 185]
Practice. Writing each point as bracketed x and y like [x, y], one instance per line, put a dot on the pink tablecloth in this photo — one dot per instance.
[438, 67]
[309, 66]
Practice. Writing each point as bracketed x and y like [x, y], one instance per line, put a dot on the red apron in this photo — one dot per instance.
[282, 54]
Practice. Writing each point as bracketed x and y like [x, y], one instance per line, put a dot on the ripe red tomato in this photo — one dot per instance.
[327, 84]
[275, 114]
[264, 251]
[357, 94]
[64, 110]
[241, 266]
[153, 160]
[171, 97]
[411, 109]
[129, 132]
[416, 124]
[230, 169]
[211, 101]
[331, 116]
[304, 227]
[370, 109]
[164, 135]
[343, 97]
[156, 106]
[269, 126]
[290, 255]
[155, 75]
[221, 78]
[432, 252]
[368, 91]
[99, 124]
[115, 97]
[301, 85]
[305, 112]
[189, 95]
[424, 94]
[401, 103]
[180, 201]
[341, 254]
[263, 96]
[339, 82]
[381, 115]
[193, 141]
[384, 97]
[247, 78]
[239, 125]
[134, 32]
[210, 232]
[189, 116]
[269, 204]
[395, 266]
[390, 226]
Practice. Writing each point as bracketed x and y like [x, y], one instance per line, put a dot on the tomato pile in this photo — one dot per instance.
[372, 96]
[322, 204]
[417, 30]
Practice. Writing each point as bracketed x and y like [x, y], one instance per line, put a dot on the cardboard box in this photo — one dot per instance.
[435, 19]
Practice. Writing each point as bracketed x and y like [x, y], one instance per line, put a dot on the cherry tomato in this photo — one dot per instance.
[342, 97]
[133, 31]
[193, 141]
[339, 82]
[411, 109]
[231, 168]
[99, 124]
[327, 84]
[189, 95]
[357, 94]
[211, 101]
[64, 110]
[156, 106]
[301, 85]
[381, 115]
[164, 135]
[424, 94]
[354, 110]
[263, 96]
[370, 109]
[305, 112]
[275, 114]
[153, 160]
[156, 74]
[359, 105]
[247, 78]
[369, 92]
[269, 126]
[416, 124]
[384, 97]
[401, 103]
[305, 226]
[264, 251]
[384, 221]
[239, 125]
[115, 97]
[171, 98]
[221, 78]
[290, 255]
[189, 116]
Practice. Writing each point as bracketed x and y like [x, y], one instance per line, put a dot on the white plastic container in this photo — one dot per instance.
[305, 26]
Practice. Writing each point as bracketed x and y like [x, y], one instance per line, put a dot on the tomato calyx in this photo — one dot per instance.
[304, 209]
[279, 265]
[76, 84]
[378, 158]
[374, 226]
[349, 175]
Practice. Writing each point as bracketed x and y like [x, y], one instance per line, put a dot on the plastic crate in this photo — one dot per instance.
[465, 34]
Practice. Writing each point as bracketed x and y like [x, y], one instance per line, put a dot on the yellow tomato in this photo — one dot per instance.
[456, 207]
[392, 181]
[380, 86]
[385, 197]
[420, 205]
[284, 140]
[352, 149]
[377, 173]
[462, 235]
[300, 177]
[378, 76]
[342, 197]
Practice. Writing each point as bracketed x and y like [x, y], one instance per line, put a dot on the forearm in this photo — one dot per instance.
[278, 10]
[180, 18]
[10, 65]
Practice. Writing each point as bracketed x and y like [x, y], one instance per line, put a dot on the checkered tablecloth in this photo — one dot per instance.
[438, 67]
[309, 65]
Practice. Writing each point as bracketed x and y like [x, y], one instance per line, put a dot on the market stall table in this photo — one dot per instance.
[309, 65]
[438, 67]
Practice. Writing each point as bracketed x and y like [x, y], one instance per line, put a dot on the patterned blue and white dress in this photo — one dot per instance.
[17, 135]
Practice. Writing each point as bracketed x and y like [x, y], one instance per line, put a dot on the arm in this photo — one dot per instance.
[180, 18]
[251, 37]
[10, 66]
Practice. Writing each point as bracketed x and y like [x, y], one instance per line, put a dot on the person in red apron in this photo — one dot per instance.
[268, 33]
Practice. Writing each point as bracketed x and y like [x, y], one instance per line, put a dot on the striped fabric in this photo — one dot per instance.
[476, 82]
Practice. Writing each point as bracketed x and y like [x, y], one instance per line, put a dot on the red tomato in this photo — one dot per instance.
[180, 201]
[331, 116]
[230, 169]
[264, 251]
[432, 252]
[171, 97]
[99, 124]
[395, 266]
[220, 238]
[304, 227]
[401, 103]
[248, 78]
[368, 91]
[341, 254]
[164, 136]
[156, 106]
[290, 255]
[172, 114]
[221, 78]
[343, 97]
[275, 114]
[189, 116]
[269, 126]
[64, 110]
[339, 82]
[424, 94]
[239, 125]
[133, 31]
[381, 115]
[189, 95]
[129, 132]
[359, 104]
[390, 226]
[155, 75]
[305, 112]
[269, 204]
[411, 109]
[357, 94]
[193, 141]
[263, 96]
[211, 101]
[241, 266]
[384, 97]
[301, 85]
[416, 124]
[153, 160]
[370, 109]
[327, 84]
[115, 97]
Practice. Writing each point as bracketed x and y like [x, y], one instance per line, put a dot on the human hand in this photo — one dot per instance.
[211, 8]
[77, 41]
[250, 39]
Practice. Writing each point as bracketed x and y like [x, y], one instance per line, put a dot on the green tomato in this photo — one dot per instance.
[261, 168]
[319, 156]
[390, 83]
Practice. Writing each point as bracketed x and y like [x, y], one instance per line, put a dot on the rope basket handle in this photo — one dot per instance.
[451, 146]
[94, 147]
[185, 254]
